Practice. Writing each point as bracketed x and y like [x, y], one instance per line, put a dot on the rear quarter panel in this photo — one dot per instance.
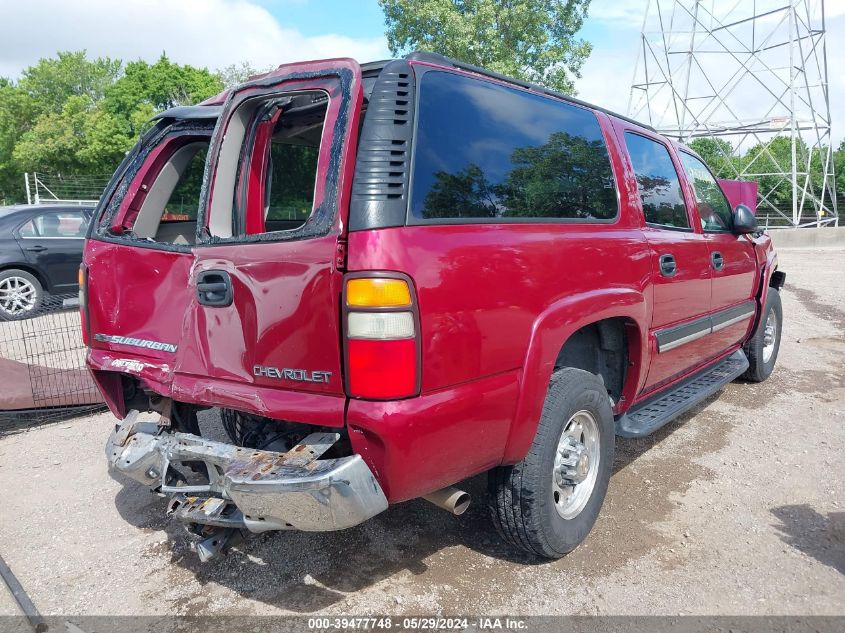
[496, 302]
[10, 250]
[485, 290]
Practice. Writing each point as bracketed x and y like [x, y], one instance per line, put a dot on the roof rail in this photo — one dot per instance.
[434, 58]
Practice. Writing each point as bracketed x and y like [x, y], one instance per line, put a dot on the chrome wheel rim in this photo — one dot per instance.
[576, 465]
[770, 334]
[17, 295]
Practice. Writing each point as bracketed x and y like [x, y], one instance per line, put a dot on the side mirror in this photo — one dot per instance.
[744, 221]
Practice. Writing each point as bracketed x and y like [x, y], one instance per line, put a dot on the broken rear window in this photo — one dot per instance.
[268, 164]
[162, 197]
[283, 165]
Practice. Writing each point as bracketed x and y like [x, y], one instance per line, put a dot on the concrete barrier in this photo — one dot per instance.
[825, 237]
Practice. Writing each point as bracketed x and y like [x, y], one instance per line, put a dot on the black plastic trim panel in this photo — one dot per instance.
[383, 164]
[688, 332]
[673, 337]
[744, 310]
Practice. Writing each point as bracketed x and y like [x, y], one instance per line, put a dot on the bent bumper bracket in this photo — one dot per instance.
[252, 489]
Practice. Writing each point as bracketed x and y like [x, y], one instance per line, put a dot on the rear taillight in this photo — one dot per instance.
[83, 302]
[382, 337]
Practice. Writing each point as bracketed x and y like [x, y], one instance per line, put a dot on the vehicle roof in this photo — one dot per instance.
[23, 209]
[442, 60]
[211, 108]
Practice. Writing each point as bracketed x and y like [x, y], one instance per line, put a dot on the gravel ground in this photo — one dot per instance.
[736, 508]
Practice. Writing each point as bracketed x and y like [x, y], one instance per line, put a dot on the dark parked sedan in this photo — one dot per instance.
[40, 253]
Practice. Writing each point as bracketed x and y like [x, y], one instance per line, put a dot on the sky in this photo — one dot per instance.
[217, 33]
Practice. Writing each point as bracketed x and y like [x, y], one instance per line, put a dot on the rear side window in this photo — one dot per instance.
[62, 224]
[269, 160]
[658, 182]
[488, 151]
[162, 202]
[712, 204]
[185, 199]
[290, 170]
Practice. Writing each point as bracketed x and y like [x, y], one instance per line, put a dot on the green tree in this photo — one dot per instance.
[718, 154]
[51, 82]
[839, 171]
[14, 119]
[150, 88]
[235, 74]
[528, 39]
[465, 194]
[55, 139]
[73, 115]
[567, 173]
[769, 158]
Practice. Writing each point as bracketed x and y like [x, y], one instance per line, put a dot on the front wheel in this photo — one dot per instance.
[762, 349]
[547, 503]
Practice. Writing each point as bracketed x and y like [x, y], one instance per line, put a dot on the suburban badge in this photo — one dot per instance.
[135, 342]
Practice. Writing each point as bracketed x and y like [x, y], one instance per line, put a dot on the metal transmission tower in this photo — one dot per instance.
[752, 74]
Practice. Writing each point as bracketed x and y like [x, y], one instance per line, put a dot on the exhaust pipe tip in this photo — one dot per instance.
[450, 499]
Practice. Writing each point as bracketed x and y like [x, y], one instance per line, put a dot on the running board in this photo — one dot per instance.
[649, 416]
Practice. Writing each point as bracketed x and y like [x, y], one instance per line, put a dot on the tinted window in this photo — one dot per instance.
[488, 151]
[713, 207]
[60, 224]
[27, 230]
[660, 188]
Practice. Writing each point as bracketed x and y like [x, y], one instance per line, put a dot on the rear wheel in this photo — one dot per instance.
[762, 349]
[547, 503]
[20, 294]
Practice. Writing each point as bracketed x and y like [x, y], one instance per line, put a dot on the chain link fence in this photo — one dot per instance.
[42, 367]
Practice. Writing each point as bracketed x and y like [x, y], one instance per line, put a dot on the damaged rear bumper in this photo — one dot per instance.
[252, 489]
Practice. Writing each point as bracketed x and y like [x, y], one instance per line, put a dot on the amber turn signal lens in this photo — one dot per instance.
[377, 293]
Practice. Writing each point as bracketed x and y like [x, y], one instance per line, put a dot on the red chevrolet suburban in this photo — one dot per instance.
[393, 276]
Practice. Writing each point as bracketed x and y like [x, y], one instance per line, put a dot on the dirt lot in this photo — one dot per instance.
[737, 508]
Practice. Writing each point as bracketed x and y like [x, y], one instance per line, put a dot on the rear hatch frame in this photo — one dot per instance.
[158, 366]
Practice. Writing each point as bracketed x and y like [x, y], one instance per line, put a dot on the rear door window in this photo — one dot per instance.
[60, 224]
[162, 201]
[486, 151]
[184, 200]
[285, 199]
[658, 183]
[168, 213]
[269, 172]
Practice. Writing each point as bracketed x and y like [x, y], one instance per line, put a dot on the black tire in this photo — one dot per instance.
[759, 368]
[10, 273]
[522, 496]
